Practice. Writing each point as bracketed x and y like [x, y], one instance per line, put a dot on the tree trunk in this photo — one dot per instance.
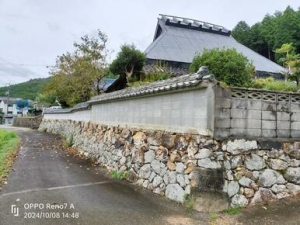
[129, 73]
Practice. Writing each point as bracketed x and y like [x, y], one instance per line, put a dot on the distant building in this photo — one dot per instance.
[10, 108]
[177, 40]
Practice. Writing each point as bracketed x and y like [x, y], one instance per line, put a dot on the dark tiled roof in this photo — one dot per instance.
[174, 41]
[176, 83]
[193, 24]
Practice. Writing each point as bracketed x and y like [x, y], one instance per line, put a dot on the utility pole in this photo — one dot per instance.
[8, 95]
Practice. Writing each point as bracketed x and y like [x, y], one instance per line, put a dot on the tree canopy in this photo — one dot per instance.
[76, 76]
[227, 65]
[271, 33]
[129, 62]
[291, 60]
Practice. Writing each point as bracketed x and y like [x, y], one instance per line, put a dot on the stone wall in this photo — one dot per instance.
[174, 165]
[30, 122]
[256, 113]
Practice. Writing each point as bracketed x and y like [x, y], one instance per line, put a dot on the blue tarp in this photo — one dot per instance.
[21, 103]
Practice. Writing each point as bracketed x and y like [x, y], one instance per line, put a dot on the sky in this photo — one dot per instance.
[34, 32]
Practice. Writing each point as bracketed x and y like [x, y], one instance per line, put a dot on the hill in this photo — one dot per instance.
[26, 90]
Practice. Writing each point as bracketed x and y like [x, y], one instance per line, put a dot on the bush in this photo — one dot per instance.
[261, 83]
[227, 65]
[274, 85]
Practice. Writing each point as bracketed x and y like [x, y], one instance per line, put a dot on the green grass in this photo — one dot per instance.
[213, 217]
[233, 211]
[190, 204]
[119, 175]
[8, 148]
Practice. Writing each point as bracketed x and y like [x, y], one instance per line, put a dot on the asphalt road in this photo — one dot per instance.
[49, 186]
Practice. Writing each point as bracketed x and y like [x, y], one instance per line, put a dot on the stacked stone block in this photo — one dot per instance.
[254, 172]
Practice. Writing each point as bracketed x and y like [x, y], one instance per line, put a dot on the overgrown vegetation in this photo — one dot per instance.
[227, 65]
[119, 175]
[233, 211]
[26, 90]
[69, 140]
[158, 75]
[271, 33]
[274, 85]
[8, 148]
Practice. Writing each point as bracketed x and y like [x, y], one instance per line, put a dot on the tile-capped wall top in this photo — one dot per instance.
[186, 81]
[80, 106]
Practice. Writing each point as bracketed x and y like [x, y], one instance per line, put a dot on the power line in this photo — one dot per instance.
[6, 62]
[18, 69]
[23, 64]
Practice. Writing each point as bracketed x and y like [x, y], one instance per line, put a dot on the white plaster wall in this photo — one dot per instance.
[84, 115]
[186, 112]
[184, 109]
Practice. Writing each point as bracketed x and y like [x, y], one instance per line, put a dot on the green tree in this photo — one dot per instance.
[241, 32]
[76, 75]
[129, 62]
[291, 60]
[45, 100]
[271, 33]
[258, 43]
[227, 65]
